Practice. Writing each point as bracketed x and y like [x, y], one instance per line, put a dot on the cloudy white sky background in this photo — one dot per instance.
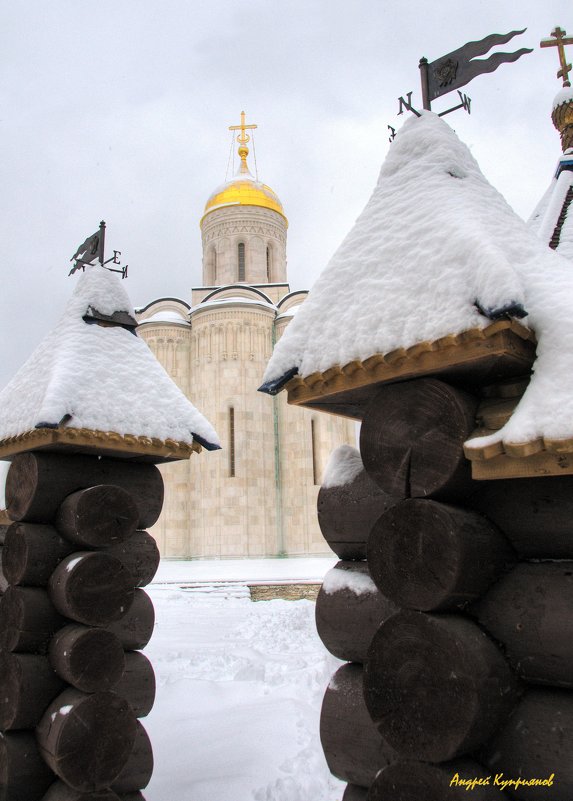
[118, 110]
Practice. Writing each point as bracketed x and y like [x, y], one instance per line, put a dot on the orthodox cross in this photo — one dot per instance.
[560, 39]
[242, 138]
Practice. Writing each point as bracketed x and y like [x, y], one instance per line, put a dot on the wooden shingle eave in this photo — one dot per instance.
[472, 358]
[100, 443]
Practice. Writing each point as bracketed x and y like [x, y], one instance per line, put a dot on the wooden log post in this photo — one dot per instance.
[429, 556]
[28, 619]
[37, 483]
[90, 659]
[412, 436]
[136, 774]
[140, 555]
[137, 684]
[28, 685]
[91, 587]
[420, 781]
[135, 627]
[529, 612]
[349, 610]
[537, 742]
[437, 687]
[87, 739]
[24, 776]
[97, 517]
[32, 552]
[535, 514]
[352, 745]
[346, 514]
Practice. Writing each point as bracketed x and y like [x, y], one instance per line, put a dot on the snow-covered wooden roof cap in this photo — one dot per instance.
[94, 385]
[438, 276]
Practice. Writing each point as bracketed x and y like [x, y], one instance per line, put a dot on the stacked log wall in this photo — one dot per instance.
[472, 585]
[73, 621]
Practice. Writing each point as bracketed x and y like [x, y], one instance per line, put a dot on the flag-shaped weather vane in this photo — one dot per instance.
[458, 68]
[92, 249]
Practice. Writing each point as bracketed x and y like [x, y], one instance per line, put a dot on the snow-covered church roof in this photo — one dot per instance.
[438, 253]
[92, 380]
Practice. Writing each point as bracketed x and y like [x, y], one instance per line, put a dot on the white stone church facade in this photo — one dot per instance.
[257, 496]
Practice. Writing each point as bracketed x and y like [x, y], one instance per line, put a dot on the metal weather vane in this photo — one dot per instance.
[456, 69]
[92, 249]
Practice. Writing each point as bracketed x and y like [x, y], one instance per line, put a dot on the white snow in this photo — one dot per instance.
[545, 216]
[166, 316]
[73, 562]
[239, 689]
[232, 301]
[106, 378]
[565, 95]
[435, 238]
[4, 467]
[339, 579]
[343, 466]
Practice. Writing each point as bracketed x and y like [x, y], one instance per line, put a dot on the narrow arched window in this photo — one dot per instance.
[269, 265]
[232, 442]
[241, 254]
[315, 467]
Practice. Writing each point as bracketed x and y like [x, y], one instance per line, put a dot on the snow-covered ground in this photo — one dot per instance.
[240, 685]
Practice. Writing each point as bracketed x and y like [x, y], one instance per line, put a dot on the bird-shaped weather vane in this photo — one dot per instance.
[92, 249]
[456, 69]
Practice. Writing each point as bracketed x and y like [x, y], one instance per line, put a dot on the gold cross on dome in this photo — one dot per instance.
[560, 39]
[242, 138]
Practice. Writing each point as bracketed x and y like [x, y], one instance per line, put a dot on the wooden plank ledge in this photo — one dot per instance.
[103, 443]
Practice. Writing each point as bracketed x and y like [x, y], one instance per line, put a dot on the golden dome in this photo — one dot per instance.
[243, 189]
[562, 117]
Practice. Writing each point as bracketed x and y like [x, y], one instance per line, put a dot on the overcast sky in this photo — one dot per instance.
[118, 110]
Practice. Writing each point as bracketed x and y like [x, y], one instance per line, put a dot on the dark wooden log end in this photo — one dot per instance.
[535, 514]
[28, 619]
[97, 517]
[412, 436]
[530, 612]
[24, 776]
[352, 745]
[137, 772]
[437, 687]
[140, 555]
[346, 514]
[137, 684]
[87, 739]
[32, 552]
[28, 684]
[135, 628]
[63, 792]
[354, 792]
[90, 659]
[38, 483]
[349, 610]
[536, 741]
[91, 587]
[428, 555]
